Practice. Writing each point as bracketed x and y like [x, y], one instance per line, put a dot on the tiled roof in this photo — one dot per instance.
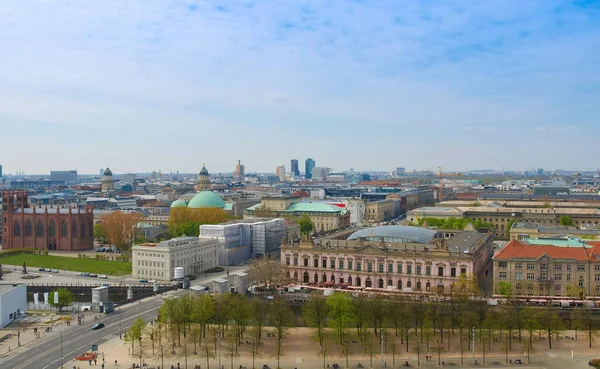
[516, 250]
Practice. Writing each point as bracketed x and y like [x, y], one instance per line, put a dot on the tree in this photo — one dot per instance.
[530, 323]
[260, 315]
[586, 320]
[99, 233]
[509, 226]
[203, 311]
[566, 221]
[306, 226]
[240, 312]
[65, 298]
[135, 333]
[281, 318]
[315, 312]
[265, 271]
[505, 289]
[550, 322]
[119, 228]
[341, 314]
[187, 221]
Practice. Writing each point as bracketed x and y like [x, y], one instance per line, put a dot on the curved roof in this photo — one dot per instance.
[206, 199]
[317, 207]
[203, 171]
[179, 204]
[396, 233]
[107, 172]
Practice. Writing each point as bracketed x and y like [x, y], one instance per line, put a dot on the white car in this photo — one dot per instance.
[79, 273]
[102, 276]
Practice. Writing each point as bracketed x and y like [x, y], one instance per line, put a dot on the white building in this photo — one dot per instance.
[159, 260]
[13, 303]
[241, 239]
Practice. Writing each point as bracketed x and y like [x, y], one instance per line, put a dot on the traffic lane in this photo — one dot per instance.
[73, 338]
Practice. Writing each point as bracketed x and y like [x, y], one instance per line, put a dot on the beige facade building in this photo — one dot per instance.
[159, 260]
[390, 258]
[379, 211]
[521, 231]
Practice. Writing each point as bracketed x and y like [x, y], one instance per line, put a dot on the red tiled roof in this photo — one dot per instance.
[517, 250]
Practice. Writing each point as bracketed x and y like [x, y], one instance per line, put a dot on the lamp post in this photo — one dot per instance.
[473, 360]
[219, 343]
[382, 345]
[120, 308]
[61, 351]
[253, 353]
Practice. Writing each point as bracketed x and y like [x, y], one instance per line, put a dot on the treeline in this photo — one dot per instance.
[453, 223]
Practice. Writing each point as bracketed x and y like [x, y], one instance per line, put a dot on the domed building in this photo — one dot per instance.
[108, 183]
[179, 204]
[206, 199]
[203, 180]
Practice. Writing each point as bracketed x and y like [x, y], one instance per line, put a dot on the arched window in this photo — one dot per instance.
[399, 284]
[368, 283]
[332, 278]
[390, 283]
[295, 276]
[305, 277]
[427, 286]
[52, 229]
[83, 234]
[74, 228]
[316, 278]
[39, 231]
[419, 286]
[64, 229]
[17, 230]
[380, 283]
[341, 280]
[287, 274]
[28, 228]
[358, 281]
[324, 278]
[91, 229]
[409, 284]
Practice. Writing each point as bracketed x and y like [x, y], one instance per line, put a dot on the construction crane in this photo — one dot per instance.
[441, 186]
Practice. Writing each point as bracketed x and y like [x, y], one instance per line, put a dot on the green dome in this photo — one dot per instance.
[107, 172]
[179, 204]
[206, 199]
[203, 171]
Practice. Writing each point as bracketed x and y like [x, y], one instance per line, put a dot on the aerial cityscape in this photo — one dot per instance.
[299, 185]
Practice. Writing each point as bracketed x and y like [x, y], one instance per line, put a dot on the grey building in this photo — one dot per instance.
[69, 176]
[294, 165]
[309, 164]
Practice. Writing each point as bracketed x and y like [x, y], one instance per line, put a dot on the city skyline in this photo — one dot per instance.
[368, 85]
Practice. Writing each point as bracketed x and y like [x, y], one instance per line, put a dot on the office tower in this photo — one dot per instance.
[540, 172]
[0, 171]
[309, 164]
[69, 176]
[240, 170]
[280, 172]
[295, 171]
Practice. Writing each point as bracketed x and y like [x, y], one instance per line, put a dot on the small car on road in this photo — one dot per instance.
[97, 326]
[143, 281]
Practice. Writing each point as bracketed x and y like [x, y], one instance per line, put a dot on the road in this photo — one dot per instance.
[79, 338]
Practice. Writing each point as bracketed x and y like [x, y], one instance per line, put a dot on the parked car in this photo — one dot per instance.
[93, 275]
[143, 281]
[54, 271]
[97, 326]
[42, 270]
[103, 276]
[86, 274]
[79, 273]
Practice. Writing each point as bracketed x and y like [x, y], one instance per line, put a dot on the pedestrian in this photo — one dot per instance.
[115, 362]
[95, 362]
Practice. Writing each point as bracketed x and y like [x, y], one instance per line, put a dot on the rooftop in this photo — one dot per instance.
[396, 233]
[517, 250]
[5, 288]
[565, 241]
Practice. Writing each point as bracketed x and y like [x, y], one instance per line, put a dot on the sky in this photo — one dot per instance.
[370, 85]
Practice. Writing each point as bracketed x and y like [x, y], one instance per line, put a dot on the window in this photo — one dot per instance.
[39, 229]
[568, 267]
[390, 268]
[341, 262]
[332, 263]
[419, 270]
[557, 288]
[558, 267]
[399, 267]
[568, 277]
[52, 229]
[380, 267]
[409, 269]
[287, 260]
[349, 264]
[502, 264]
[541, 288]
[463, 271]
[543, 276]
[519, 276]
[580, 268]
[83, 234]
[428, 270]
[295, 260]
[530, 287]
[530, 276]
[558, 277]
[597, 277]
[316, 263]
[530, 266]
[324, 263]
[502, 275]
[580, 282]
[27, 228]
[369, 267]
[452, 272]
[305, 260]
[63, 229]
[518, 265]
[440, 271]
[74, 228]
[518, 286]
[358, 266]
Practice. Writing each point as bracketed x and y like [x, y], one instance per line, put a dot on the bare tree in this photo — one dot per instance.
[265, 272]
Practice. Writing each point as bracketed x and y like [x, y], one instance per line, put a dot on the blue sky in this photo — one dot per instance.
[159, 84]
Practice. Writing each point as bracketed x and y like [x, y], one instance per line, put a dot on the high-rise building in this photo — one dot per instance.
[540, 171]
[400, 171]
[280, 172]
[295, 171]
[240, 170]
[69, 176]
[0, 170]
[309, 164]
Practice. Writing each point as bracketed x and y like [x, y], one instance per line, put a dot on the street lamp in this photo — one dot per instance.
[120, 308]
[61, 351]
[382, 345]
[219, 340]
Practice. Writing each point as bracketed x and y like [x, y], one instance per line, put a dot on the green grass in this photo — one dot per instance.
[66, 263]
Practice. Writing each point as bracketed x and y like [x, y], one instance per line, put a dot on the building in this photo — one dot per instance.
[0, 170]
[203, 180]
[13, 303]
[414, 215]
[548, 270]
[159, 260]
[32, 184]
[390, 258]
[240, 170]
[325, 217]
[294, 168]
[309, 164]
[240, 240]
[521, 231]
[69, 176]
[108, 183]
[379, 211]
[319, 174]
[280, 172]
[47, 228]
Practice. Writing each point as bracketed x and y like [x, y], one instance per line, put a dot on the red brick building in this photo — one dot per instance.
[52, 228]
